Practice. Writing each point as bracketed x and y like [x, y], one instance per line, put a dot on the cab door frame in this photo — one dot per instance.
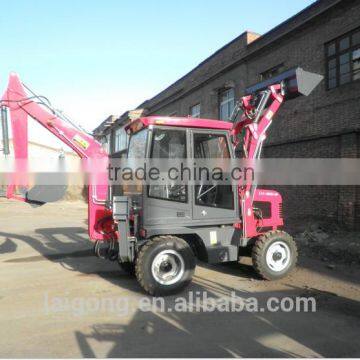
[207, 214]
[159, 211]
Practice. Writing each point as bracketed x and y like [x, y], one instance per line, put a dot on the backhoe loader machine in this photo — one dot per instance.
[158, 231]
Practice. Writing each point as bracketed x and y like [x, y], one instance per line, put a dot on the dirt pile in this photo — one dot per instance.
[330, 244]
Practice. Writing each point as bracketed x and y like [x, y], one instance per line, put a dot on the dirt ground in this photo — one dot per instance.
[48, 271]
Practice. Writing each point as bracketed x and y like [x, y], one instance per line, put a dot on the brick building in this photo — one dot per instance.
[323, 38]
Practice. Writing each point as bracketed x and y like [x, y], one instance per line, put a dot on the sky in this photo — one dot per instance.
[96, 58]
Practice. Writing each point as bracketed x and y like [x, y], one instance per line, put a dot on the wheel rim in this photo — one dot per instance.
[278, 256]
[168, 267]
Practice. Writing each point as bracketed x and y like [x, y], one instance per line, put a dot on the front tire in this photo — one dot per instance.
[165, 265]
[274, 255]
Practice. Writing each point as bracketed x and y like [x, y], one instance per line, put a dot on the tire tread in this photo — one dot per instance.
[259, 246]
[139, 265]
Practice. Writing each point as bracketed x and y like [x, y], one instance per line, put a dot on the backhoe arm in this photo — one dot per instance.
[21, 104]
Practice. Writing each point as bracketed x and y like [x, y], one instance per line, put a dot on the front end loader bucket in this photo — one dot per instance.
[295, 82]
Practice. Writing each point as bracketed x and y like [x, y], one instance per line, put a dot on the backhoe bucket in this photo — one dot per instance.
[295, 82]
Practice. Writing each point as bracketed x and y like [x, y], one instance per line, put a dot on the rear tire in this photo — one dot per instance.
[165, 265]
[274, 255]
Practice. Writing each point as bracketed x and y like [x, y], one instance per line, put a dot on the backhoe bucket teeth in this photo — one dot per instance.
[295, 82]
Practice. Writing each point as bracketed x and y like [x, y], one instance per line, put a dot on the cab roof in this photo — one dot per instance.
[186, 122]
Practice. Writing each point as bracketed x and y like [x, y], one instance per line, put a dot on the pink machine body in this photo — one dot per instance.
[101, 226]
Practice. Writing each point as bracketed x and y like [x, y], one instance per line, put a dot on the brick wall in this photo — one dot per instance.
[304, 203]
[325, 125]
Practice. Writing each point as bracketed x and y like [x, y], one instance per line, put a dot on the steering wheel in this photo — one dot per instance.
[175, 191]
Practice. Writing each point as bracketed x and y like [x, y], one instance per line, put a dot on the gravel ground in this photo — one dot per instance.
[48, 270]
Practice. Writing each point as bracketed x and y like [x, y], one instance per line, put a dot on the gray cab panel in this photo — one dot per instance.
[158, 211]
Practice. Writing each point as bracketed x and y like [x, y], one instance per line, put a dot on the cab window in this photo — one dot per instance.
[168, 144]
[212, 146]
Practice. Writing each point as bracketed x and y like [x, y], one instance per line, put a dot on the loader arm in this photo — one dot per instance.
[259, 107]
[253, 125]
[22, 105]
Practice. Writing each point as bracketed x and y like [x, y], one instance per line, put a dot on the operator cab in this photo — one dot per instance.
[184, 141]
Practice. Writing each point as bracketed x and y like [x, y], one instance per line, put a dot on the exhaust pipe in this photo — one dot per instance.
[5, 130]
[295, 82]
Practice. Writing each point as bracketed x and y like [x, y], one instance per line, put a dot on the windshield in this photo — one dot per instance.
[137, 145]
[137, 148]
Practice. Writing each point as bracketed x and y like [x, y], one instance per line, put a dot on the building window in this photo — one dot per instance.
[343, 59]
[270, 73]
[195, 111]
[120, 140]
[226, 103]
[105, 142]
